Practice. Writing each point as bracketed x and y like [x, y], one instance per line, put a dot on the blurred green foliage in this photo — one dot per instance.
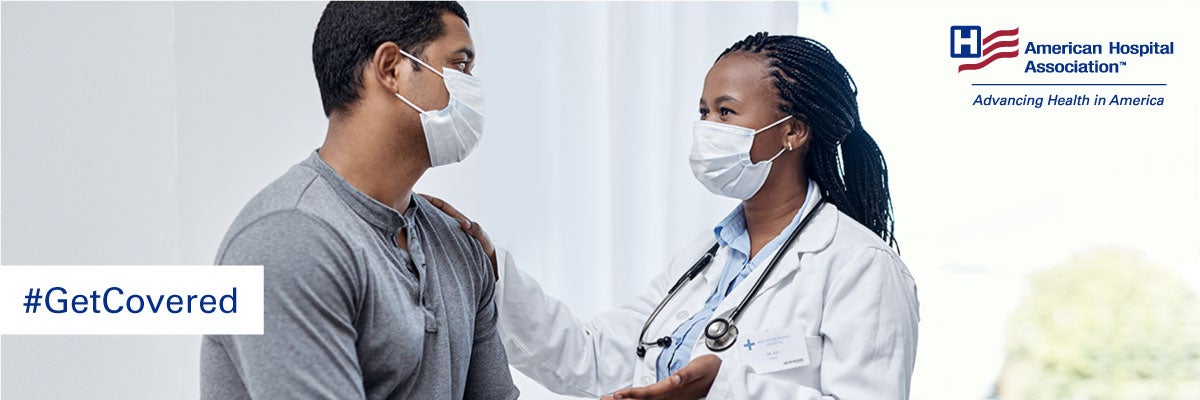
[1106, 325]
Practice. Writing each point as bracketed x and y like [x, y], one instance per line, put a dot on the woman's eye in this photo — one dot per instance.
[726, 111]
[462, 66]
[703, 112]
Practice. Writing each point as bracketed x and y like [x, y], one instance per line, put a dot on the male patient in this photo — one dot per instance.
[370, 292]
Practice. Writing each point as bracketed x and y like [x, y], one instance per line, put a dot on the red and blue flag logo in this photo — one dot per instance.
[967, 41]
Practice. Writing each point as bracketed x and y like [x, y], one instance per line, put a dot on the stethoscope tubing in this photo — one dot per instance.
[728, 321]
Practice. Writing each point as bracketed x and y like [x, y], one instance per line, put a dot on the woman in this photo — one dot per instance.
[837, 315]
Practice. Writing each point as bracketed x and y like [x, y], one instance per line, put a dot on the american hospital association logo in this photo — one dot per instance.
[1048, 63]
[967, 42]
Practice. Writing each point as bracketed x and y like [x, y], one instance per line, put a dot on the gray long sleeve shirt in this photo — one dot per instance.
[348, 313]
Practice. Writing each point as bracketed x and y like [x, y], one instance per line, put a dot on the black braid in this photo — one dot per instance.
[842, 158]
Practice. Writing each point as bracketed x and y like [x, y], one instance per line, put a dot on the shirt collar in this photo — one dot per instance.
[732, 232]
[732, 227]
[367, 208]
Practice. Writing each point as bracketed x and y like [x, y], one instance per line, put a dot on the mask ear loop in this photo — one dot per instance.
[418, 60]
[780, 153]
[789, 146]
[410, 104]
[773, 125]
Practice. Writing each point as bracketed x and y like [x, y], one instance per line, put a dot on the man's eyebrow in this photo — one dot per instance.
[470, 53]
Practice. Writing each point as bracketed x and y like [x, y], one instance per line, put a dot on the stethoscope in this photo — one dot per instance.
[721, 332]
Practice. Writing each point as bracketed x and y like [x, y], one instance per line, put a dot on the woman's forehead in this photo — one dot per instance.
[741, 72]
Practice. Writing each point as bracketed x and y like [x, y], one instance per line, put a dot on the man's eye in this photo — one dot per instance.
[703, 112]
[462, 65]
[726, 111]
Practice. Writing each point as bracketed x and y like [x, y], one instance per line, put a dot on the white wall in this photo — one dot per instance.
[132, 134]
[90, 177]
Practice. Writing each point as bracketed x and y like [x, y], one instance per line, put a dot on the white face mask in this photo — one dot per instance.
[452, 132]
[720, 159]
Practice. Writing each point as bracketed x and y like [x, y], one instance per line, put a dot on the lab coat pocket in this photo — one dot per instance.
[806, 372]
[778, 350]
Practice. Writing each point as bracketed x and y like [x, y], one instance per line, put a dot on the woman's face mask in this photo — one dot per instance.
[452, 132]
[720, 158]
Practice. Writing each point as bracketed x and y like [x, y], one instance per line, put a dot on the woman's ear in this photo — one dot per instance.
[796, 135]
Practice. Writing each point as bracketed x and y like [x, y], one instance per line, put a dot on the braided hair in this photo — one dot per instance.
[842, 158]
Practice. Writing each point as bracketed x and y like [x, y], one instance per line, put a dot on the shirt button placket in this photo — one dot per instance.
[418, 257]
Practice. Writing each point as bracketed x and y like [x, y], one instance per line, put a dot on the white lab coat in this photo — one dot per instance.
[840, 287]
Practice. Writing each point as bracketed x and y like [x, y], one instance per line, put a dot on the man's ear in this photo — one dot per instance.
[389, 67]
[796, 134]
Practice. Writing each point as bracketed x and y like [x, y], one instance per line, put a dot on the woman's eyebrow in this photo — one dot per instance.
[726, 98]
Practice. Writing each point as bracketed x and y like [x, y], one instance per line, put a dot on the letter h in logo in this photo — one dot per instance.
[965, 41]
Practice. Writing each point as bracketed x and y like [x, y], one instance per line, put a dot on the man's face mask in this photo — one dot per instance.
[452, 132]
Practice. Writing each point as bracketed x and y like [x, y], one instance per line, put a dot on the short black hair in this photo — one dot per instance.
[350, 31]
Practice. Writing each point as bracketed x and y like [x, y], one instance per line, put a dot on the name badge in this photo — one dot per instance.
[774, 350]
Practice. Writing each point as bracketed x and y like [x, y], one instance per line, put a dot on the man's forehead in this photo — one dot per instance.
[456, 31]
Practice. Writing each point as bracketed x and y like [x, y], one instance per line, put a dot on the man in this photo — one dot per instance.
[370, 292]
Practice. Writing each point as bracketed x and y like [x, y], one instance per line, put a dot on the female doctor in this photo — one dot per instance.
[796, 294]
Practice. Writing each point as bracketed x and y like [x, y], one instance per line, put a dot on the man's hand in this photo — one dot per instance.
[691, 382]
[471, 228]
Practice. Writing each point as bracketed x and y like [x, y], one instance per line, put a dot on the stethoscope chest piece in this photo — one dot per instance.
[720, 334]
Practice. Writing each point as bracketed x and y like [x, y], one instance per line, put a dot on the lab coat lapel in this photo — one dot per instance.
[689, 299]
[817, 236]
[693, 294]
